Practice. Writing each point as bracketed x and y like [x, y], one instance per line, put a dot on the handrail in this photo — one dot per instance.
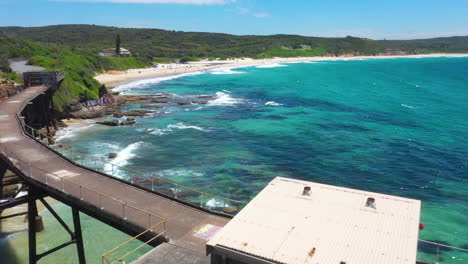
[104, 256]
[4, 150]
[442, 245]
[438, 248]
[135, 171]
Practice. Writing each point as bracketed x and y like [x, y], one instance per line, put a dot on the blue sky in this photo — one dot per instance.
[377, 19]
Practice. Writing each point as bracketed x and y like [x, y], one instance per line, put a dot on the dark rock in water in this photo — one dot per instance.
[118, 115]
[152, 106]
[230, 209]
[183, 103]
[127, 123]
[206, 96]
[160, 101]
[109, 123]
[136, 113]
[199, 102]
[112, 155]
[130, 119]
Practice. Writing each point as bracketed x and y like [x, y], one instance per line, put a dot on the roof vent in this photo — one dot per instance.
[306, 191]
[371, 203]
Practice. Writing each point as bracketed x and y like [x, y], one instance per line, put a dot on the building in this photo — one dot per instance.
[111, 52]
[293, 221]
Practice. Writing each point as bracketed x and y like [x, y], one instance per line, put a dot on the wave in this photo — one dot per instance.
[141, 84]
[123, 158]
[216, 203]
[71, 131]
[172, 127]
[224, 99]
[273, 65]
[273, 103]
[227, 70]
[407, 106]
[182, 126]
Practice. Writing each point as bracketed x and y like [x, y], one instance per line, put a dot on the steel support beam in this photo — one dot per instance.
[78, 236]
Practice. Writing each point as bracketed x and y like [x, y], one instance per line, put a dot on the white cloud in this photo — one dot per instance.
[183, 2]
[243, 10]
[262, 15]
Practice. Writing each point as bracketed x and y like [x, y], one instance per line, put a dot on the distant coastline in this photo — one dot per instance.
[115, 78]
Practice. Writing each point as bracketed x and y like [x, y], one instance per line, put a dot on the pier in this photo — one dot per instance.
[123, 205]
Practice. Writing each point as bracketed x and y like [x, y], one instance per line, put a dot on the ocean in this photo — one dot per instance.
[393, 126]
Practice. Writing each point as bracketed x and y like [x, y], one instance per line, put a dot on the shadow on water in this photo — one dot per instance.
[8, 254]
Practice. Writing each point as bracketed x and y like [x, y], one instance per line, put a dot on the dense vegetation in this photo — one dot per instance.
[73, 49]
[160, 45]
[78, 65]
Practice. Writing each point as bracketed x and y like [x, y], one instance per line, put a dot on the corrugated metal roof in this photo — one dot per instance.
[329, 226]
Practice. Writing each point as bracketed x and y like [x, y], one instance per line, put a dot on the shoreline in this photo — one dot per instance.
[116, 78]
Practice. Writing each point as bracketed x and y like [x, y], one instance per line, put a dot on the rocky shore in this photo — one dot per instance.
[151, 103]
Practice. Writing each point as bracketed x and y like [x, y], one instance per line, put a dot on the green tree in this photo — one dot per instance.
[117, 44]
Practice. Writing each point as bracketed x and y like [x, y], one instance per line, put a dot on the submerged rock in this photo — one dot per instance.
[128, 123]
[152, 106]
[136, 113]
[109, 123]
[199, 102]
[112, 155]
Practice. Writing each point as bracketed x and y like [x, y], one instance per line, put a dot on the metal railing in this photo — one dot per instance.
[105, 257]
[201, 199]
[433, 252]
[103, 202]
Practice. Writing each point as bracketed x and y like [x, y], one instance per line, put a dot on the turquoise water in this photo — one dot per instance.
[395, 126]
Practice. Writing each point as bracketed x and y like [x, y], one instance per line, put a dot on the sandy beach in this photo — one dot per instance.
[114, 78]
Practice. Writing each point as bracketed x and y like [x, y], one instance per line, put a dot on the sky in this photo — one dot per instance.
[376, 19]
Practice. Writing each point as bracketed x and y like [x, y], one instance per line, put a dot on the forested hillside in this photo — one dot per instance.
[156, 44]
[78, 65]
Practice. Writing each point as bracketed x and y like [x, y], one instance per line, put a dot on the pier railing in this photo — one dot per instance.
[107, 256]
[103, 202]
[432, 252]
[156, 184]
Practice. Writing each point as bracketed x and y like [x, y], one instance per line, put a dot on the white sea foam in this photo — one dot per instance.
[216, 203]
[407, 106]
[224, 99]
[176, 173]
[182, 126]
[123, 158]
[72, 130]
[310, 62]
[273, 103]
[273, 65]
[226, 70]
[141, 84]
[172, 127]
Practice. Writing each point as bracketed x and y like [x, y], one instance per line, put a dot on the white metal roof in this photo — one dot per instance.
[329, 226]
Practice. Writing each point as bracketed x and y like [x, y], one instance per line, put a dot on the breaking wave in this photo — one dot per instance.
[273, 65]
[226, 71]
[172, 127]
[224, 99]
[141, 84]
[123, 158]
[273, 103]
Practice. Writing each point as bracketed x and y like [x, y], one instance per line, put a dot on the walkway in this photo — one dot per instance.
[139, 207]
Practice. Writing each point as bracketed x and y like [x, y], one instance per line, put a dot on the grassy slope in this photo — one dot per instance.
[79, 66]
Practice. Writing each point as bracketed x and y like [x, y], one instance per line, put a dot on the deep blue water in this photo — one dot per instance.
[395, 126]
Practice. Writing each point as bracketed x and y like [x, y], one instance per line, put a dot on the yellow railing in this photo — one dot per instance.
[105, 257]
